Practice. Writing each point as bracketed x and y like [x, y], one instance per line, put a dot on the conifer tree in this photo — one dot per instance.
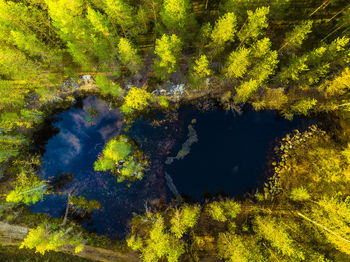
[29, 189]
[224, 29]
[128, 55]
[238, 63]
[331, 215]
[276, 234]
[175, 14]
[253, 28]
[44, 238]
[295, 38]
[120, 14]
[168, 50]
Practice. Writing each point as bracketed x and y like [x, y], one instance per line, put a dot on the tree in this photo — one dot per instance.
[137, 99]
[304, 106]
[15, 65]
[10, 146]
[257, 21]
[28, 189]
[224, 30]
[123, 158]
[332, 216]
[295, 38]
[184, 219]
[276, 234]
[83, 205]
[312, 160]
[73, 29]
[223, 210]
[238, 63]
[233, 248]
[175, 14]
[44, 238]
[158, 244]
[245, 90]
[107, 87]
[200, 70]
[120, 13]
[201, 67]
[128, 55]
[311, 67]
[168, 50]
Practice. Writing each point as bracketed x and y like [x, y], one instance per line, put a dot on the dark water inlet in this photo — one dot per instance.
[229, 156]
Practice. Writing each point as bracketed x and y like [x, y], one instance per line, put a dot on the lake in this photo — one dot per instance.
[225, 154]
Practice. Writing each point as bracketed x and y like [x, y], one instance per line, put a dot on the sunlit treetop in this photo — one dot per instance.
[175, 13]
[224, 29]
[137, 99]
[122, 157]
[28, 189]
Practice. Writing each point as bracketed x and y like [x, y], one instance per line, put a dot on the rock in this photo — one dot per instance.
[86, 79]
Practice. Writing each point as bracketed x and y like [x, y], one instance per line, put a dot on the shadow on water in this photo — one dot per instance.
[228, 159]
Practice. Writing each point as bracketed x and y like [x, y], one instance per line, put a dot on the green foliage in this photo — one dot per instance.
[201, 67]
[137, 99]
[44, 238]
[332, 215]
[128, 55]
[223, 210]
[304, 106]
[257, 21]
[314, 65]
[224, 29]
[163, 101]
[168, 50]
[312, 161]
[184, 219]
[28, 189]
[123, 158]
[175, 14]
[245, 90]
[82, 203]
[276, 234]
[120, 13]
[107, 87]
[238, 63]
[158, 244]
[295, 38]
[299, 194]
[231, 247]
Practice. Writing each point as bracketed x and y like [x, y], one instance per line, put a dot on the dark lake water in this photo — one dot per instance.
[230, 156]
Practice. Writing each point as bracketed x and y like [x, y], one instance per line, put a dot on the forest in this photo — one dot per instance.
[144, 56]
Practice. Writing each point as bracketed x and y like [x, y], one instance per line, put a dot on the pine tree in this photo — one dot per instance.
[184, 219]
[168, 50]
[175, 14]
[120, 14]
[128, 55]
[256, 22]
[276, 234]
[238, 63]
[44, 238]
[331, 215]
[295, 38]
[29, 189]
[224, 30]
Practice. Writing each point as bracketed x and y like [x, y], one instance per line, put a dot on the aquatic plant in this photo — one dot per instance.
[122, 157]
